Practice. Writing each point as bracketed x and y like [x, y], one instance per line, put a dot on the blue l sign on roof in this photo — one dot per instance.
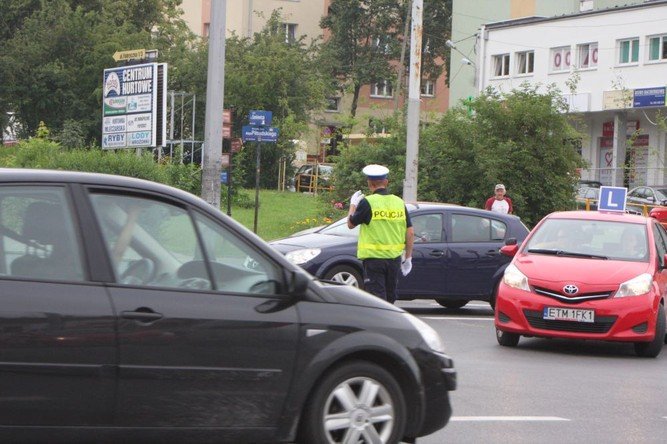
[612, 199]
[260, 118]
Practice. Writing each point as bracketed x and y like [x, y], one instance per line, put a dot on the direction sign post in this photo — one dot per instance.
[260, 118]
[252, 133]
[133, 54]
[612, 199]
[259, 131]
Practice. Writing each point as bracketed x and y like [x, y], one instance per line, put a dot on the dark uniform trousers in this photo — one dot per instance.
[381, 277]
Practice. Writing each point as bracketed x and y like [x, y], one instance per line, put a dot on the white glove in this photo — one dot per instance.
[406, 266]
[356, 198]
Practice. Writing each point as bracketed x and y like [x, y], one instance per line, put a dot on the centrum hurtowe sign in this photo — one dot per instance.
[129, 115]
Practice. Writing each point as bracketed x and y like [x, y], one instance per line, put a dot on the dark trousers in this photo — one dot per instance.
[381, 277]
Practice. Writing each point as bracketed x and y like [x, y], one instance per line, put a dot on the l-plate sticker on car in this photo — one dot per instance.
[568, 314]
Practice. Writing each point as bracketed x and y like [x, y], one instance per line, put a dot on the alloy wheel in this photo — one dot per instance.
[359, 410]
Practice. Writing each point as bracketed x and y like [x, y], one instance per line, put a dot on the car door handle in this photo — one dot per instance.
[142, 314]
[492, 253]
[437, 253]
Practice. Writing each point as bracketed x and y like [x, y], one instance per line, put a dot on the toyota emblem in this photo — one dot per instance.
[570, 289]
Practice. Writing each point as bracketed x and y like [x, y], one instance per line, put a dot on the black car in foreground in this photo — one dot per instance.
[132, 311]
[456, 256]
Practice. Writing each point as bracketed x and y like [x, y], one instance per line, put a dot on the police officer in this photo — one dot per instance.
[385, 231]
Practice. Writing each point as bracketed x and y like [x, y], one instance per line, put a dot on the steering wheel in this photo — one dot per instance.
[264, 287]
[195, 283]
[139, 272]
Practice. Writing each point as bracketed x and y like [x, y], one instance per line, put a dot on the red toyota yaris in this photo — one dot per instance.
[587, 275]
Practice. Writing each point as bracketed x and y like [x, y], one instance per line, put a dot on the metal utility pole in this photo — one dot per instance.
[215, 94]
[412, 145]
[404, 43]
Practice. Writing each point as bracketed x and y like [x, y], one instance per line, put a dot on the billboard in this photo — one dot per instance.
[130, 111]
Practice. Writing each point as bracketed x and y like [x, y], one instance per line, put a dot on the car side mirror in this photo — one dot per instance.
[509, 250]
[511, 241]
[298, 283]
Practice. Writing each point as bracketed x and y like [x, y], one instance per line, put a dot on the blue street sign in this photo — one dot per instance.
[259, 134]
[224, 177]
[260, 118]
[649, 97]
[612, 199]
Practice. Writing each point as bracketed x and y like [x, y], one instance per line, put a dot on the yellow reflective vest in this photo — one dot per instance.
[384, 236]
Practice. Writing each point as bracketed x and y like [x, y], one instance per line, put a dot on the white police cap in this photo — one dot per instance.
[375, 172]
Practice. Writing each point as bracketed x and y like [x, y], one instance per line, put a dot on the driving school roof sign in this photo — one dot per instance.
[131, 104]
[612, 199]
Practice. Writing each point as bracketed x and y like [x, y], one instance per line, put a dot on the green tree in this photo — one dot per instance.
[265, 72]
[362, 42]
[365, 36]
[52, 60]
[521, 139]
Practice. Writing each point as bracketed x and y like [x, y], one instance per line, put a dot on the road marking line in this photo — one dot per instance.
[457, 318]
[507, 418]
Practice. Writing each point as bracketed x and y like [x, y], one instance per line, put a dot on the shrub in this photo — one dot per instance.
[44, 154]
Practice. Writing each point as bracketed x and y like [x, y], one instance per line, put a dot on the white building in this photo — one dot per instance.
[610, 64]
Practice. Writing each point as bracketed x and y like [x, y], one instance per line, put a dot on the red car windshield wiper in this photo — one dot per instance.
[565, 253]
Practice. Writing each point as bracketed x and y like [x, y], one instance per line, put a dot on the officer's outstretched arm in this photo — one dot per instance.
[409, 241]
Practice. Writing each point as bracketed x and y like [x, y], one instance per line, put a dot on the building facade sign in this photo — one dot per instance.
[130, 106]
[647, 97]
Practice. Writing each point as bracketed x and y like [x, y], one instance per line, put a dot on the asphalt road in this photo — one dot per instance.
[545, 391]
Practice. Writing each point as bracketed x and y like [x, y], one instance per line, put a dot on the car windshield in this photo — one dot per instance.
[593, 239]
[339, 228]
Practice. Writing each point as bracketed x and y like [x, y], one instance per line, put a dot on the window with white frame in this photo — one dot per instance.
[383, 88]
[289, 30]
[561, 59]
[525, 62]
[628, 51]
[657, 47]
[501, 65]
[587, 55]
[427, 88]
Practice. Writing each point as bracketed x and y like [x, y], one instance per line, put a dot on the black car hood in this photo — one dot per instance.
[347, 295]
[312, 240]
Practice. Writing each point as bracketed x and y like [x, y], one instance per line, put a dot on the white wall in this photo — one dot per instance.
[603, 28]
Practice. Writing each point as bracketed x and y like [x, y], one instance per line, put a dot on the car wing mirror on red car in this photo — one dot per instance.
[509, 250]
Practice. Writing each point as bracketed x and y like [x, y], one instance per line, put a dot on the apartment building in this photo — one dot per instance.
[469, 15]
[302, 17]
[245, 17]
[610, 66]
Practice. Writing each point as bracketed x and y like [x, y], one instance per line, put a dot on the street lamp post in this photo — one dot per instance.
[412, 143]
[215, 93]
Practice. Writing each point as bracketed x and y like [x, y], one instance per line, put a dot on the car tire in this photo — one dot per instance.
[452, 303]
[345, 274]
[653, 348]
[507, 339]
[337, 412]
[494, 296]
